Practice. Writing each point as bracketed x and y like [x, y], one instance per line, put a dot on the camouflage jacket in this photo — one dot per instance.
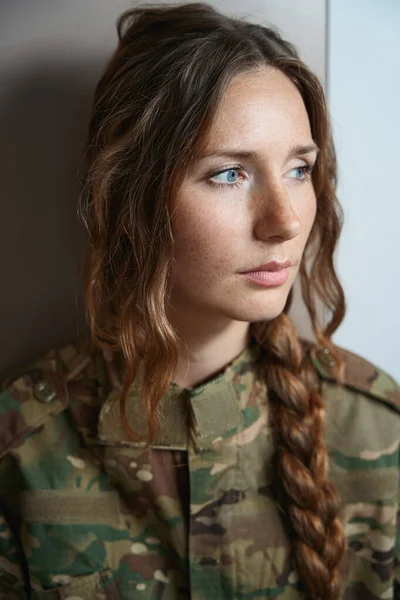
[87, 514]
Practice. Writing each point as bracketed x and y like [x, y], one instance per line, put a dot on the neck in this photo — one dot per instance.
[206, 348]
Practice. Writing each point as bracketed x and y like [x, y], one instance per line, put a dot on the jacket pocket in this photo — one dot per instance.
[96, 586]
[69, 540]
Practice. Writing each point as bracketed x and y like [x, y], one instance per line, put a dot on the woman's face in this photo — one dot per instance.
[248, 201]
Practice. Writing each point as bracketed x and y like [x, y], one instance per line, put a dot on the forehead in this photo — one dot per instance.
[260, 109]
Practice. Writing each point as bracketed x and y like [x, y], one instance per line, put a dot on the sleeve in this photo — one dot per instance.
[12, 579]
[24, 407]
[396, 582]
[12, 570]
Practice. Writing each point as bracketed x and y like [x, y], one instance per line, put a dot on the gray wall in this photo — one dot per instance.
[364, 99]
[51, 54]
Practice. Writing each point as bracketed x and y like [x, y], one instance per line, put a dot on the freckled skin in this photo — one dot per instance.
[220, 231]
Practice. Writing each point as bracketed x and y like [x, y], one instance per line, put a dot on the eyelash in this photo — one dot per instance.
[307, 170]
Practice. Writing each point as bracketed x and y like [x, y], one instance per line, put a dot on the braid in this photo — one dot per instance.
[309, 500]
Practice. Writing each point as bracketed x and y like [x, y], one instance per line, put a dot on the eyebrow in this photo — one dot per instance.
[297, 150]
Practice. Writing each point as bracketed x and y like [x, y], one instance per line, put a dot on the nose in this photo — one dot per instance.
[276, 216]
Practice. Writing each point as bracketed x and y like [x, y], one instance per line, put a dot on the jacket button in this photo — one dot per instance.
[44, 392]
[326, 358]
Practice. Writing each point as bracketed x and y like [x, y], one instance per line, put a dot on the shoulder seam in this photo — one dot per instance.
[38, 410]
[360, 375]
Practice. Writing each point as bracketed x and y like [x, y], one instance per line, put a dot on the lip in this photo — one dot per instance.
[272, 267]
[267, 278]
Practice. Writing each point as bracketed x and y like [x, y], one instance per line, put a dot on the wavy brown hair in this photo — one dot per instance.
[153, 106]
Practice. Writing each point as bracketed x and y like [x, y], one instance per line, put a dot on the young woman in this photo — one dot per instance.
[193, 446]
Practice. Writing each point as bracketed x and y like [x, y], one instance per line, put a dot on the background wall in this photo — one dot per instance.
[364, 101]
[51, 54]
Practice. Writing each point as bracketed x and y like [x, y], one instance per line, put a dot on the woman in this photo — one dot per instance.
[194, 446]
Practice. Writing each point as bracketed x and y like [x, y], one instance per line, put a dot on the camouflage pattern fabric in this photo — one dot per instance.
[87, 514]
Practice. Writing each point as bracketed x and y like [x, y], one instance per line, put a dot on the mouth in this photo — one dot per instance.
[271, 267]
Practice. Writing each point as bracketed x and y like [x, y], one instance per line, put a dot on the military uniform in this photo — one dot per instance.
[88, 514]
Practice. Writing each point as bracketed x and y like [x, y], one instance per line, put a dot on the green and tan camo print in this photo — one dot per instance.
[87, 514]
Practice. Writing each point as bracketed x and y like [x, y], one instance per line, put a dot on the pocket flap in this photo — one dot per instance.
[69, 507]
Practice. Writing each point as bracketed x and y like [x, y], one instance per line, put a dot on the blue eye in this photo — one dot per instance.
[229, 176]
[305, 171]
[233, 176]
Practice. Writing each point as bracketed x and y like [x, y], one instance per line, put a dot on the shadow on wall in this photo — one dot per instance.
[44, 114]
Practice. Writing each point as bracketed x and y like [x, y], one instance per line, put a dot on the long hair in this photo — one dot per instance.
[152, 108]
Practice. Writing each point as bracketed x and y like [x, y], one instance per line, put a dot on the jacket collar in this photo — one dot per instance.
[204, 415]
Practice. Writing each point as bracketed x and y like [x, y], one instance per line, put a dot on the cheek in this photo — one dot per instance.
[308, 213]
[202, 236]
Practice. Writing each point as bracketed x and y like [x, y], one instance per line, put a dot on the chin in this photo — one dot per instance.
[263, 308]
